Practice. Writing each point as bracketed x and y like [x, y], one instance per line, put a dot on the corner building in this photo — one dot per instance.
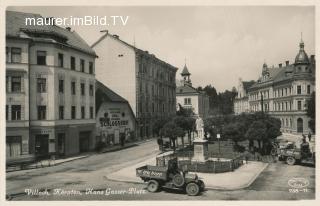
[284, 92]
[50, 84]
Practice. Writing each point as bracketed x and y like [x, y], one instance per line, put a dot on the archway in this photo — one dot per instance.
[299, 125]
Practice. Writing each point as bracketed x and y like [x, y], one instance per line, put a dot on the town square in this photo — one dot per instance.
[202, 103]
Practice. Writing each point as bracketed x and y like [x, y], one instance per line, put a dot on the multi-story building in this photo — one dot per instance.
[145, 81]
[241, 103]
[283, 92]
[50, 82]
[189, 97]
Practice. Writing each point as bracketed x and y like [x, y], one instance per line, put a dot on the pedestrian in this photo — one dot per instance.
[309, 137]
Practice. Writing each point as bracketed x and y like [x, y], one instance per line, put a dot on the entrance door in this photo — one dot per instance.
[84, 141]
[300, 125]
[42, 145]
[61, 143]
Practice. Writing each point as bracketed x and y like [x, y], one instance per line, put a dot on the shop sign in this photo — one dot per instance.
[114, 117]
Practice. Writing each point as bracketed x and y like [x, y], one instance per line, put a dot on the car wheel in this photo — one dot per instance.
[192, 189]
[153, 186]
[178, 180]
[291, 160]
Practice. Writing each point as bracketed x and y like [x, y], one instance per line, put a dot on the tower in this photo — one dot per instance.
[301, 63]
[186, 76]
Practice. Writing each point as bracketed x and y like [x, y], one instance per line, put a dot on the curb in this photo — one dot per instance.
[208, 188]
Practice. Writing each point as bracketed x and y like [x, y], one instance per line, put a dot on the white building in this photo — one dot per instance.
[189, 97]
[50, 85]
[145, 81]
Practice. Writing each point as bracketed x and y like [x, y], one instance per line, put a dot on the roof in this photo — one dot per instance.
[16, 27]
[108, 94]
[247, 84]
[186, 89]
[137, 50]
[185, 71]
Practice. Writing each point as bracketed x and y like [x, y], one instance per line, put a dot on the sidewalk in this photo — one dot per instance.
[238, 179]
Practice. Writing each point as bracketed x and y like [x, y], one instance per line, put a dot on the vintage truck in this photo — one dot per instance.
[297, 155]
[166, 174]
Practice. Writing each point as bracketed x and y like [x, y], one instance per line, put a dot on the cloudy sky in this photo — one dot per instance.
[220, 43]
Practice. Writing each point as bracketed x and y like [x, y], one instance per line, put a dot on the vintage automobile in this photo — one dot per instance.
[166, 174]
[294, 155]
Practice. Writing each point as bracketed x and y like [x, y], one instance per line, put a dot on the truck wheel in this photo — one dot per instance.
[178, 180]
[202, 186]
[290, 160]
[153, 186]
[192, 189]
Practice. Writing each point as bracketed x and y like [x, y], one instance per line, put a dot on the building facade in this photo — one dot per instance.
[145, 81]
[50, 84]
[284, 92]
[241, 103]
[190, 98]
[115, 120]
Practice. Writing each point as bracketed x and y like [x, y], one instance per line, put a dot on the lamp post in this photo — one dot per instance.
[218, 137]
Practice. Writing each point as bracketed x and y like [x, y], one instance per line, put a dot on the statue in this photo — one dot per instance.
[199, 128]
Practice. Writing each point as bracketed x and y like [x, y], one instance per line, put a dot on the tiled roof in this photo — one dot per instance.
[108, 94]
[186, 89]
[15, 27]
[246, 85]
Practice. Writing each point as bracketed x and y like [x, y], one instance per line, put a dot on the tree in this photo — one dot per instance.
[186, 112]
[311, 112]
[172, 130]
[234, 131]
[257, 131]
[187, 124]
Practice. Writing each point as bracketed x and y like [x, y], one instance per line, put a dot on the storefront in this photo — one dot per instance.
[115, 122]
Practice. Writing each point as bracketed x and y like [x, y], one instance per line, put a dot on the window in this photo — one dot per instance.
[41, 85]
[7, 54]
[162, 107]
[187, 101]
[7, 112]
[299, 89]
[13, 146]
[73, 88]
[308, 89]
[82, 112]
[7, 84]
[81, 65]
[73, 112]
[90, 67]
[41, 57]
[16, 84]
[15, 55]
[91, 90]
[91, 113]
[42, 112]
[60, 60]
[61, 85]
[152, 107]
[16, 112]
[61, 112]
[299, 105]
[72, 63]
[82, 85]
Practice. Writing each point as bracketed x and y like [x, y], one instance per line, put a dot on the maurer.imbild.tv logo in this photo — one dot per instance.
[298, 182]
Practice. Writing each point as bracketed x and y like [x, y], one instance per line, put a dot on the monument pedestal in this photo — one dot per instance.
[200, 150]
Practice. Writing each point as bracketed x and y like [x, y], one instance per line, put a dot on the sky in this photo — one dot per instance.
[219, 44]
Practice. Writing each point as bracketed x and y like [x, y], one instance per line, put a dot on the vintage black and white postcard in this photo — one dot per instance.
[189, 101]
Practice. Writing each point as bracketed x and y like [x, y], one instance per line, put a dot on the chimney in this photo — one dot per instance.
[68, 28]
[287, 63]
[115, 36]
[280, 65]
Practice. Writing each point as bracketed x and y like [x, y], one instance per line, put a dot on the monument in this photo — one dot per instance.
[200, 144]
